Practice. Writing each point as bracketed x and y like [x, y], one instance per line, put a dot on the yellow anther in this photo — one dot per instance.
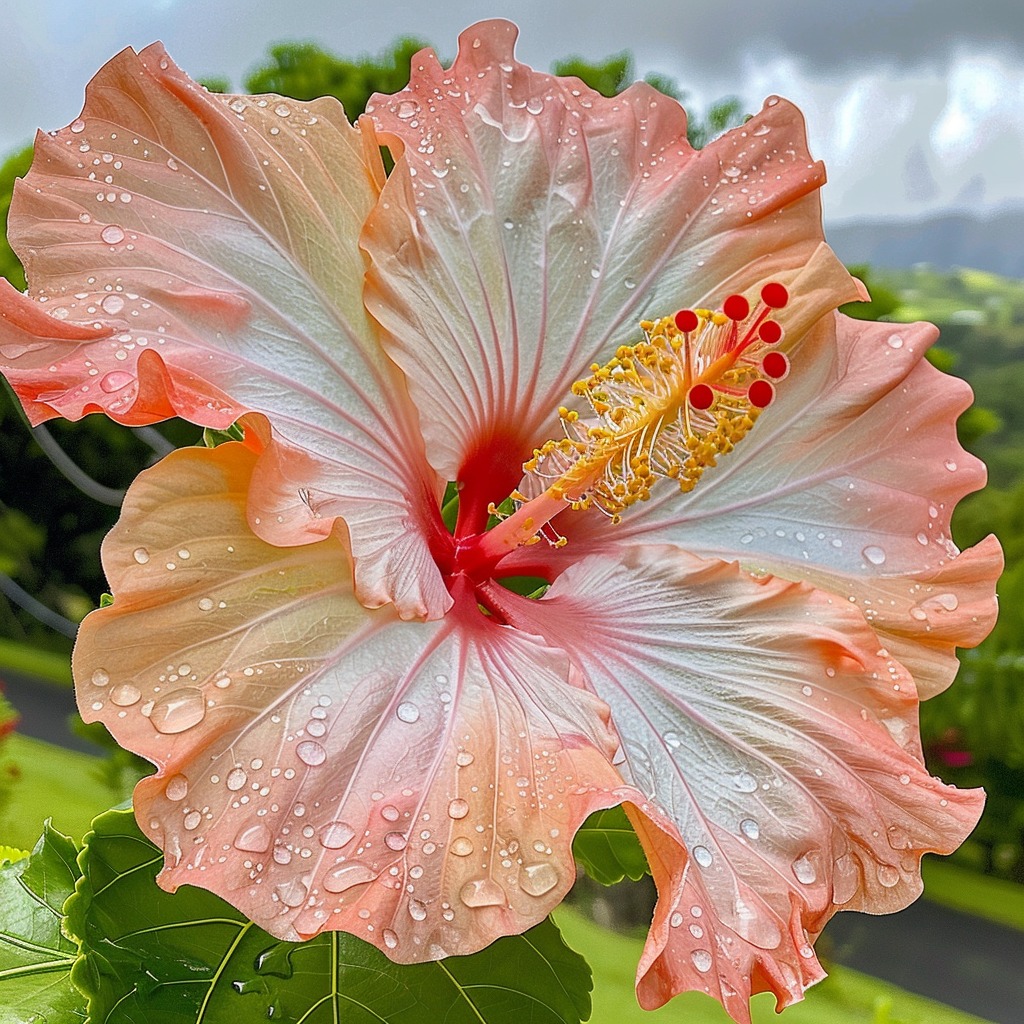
[667, 406]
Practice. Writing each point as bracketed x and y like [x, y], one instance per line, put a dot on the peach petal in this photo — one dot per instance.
[213, 241]
[530, 223]
[325, 766]
[780, 754]
[848, 481]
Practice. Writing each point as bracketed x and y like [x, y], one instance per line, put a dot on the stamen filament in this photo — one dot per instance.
[666, 407]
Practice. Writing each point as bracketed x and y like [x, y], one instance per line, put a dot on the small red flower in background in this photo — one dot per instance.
[741, 507]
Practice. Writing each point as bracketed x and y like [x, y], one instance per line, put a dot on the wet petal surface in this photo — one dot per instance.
[326, 766]
[848, 481]
[214, 241]
[770, 736]
[531, 223]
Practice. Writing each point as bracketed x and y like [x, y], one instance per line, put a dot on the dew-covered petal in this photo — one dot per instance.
[322, 765]
[760, 722]
[213, 240]
[530, 223]
[848, 481]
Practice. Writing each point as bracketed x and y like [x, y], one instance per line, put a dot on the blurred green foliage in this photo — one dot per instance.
[305, 71]
[15, 166]
[974, 733]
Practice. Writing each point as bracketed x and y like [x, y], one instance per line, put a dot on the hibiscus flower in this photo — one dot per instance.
[738, 502]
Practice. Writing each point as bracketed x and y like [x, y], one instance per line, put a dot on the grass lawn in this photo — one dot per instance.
[845, 997]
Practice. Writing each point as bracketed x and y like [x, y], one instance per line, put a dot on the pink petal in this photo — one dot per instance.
[848, 481]
[323, 766]
[214, 241]
[530, 223]
[774, 741]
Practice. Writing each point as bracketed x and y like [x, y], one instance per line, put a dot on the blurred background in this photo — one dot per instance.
[917, 109]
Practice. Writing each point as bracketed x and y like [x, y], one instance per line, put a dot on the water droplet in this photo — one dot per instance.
[875, 555]
[406, 109]
[390, 938]
[205, 604]
[77, 126]
[922, 539]
[905, 779]
[458, 808]
[888, 875]
[396, 841]
[806, 952]
[112, 234]
[950, 465]
[390, 813]
[116, 380]
[100, 677]
[701, 960]
[408, 712]
[310, 752]
[281, 110]
[178, 711]
[672, 740]
[282, 855]
[898, 839]
[677, 919]
[629, 284]
[463, 758]
[112, 304]
[702, 855]
[346, 876]
[747, 538]
[192, 820]
[141, 555]
[744, 782]
[509, 223]
[731, 172]
[895, 341]
[537, 879]
[417, 910]
[804, 869]
[177, 788]
[254, 839]
[750, 828]
[696, 931]
[949, 602]
[461, 847]
[236, 779]
[336, 834]
[482, 892]
[918, 613]
[292, 893]
[125, 695]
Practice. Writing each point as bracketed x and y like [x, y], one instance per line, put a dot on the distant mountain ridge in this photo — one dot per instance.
[994, 243]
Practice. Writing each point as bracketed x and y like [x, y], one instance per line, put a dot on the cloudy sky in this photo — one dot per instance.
[916, 106]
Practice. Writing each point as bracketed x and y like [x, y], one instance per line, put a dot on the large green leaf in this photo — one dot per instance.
[35, 958]
[190, 958]
[607, 848]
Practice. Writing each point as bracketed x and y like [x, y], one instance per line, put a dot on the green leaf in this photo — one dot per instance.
[190, 958]
[608, 849]
[35, 958]
[212, 437]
